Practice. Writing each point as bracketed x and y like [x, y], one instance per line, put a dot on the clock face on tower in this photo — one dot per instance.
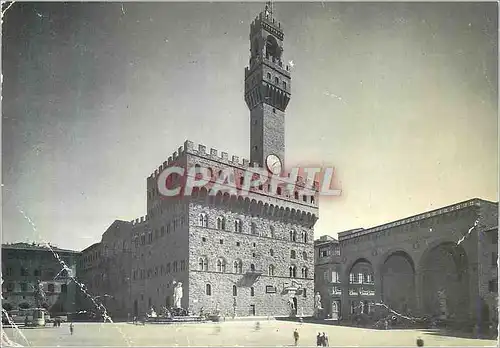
[273, 164]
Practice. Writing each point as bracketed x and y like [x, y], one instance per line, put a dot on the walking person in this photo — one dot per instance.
[71, 328]
[324, 340]
[319, 342]
[296, 336]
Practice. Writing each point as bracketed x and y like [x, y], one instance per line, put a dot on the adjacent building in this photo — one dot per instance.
[24, 264]
[441, 263]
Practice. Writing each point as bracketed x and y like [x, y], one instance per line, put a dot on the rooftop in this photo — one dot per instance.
[36, 247]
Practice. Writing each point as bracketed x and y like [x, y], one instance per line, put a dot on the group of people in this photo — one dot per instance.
[321, 339]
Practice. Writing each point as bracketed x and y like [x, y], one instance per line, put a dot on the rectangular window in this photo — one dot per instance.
[335, 277]
[493, 285]
[325, 276]
[360, 278]
[352, 278]
[270, 289]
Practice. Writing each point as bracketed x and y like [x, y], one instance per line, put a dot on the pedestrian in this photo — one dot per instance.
[296, 336]
[319, 342]
[71, 328]
[324, 340]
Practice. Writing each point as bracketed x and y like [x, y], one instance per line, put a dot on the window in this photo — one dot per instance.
[51, 288]
[254, 245]
[221, 223]
[493, 285]
[296, 195]
[271, 270]
[270, 289]
[494, 259]
[235, 290]
[174, 267]
[271, 252]
[304, 255]
[336, 250]
[252, 291]
[238, 267]
[324, 252]
[221, 265]
[143, 239]
[252, 267]
[203, 239]
[278, 191]
[360, 278]
[150, 238]
[304, 293]
[304, 237]
[64, 288]
[237, 225]
[253, 228]
[293, 236]
[238, 244]
[253, 254]
[271, 230]
[284, 84]
[203, 220]
[274, 110]
[335, 277]
[352, 278]
[24, 272]
[293, 272]
[292, 254]
[365, 278]
[183, 266]
[203, 264]
[268, 76]
[277, 80]
[208, 290]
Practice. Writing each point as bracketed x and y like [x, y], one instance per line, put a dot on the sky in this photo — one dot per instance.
[400, 97]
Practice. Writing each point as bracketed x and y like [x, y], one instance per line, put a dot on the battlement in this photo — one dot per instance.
[139, 220]
[268, 23]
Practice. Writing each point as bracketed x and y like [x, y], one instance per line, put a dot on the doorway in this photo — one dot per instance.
[335, 310]
[136, 309]
[252, 309]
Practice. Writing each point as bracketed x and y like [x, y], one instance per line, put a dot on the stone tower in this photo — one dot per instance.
[267, 88]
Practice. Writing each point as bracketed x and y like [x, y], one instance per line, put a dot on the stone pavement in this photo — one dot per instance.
[233, 333]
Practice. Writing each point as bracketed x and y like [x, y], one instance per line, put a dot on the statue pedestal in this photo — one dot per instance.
[38, 317]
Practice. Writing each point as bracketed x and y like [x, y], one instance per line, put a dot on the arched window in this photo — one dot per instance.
[203, 263]
[304, 255]
[304, 237]
[252, 291]
[271, 270]
[271, 252]
[268, 76]
[238, 267]
[304, 272]
[237, 225]
[235, 290]
[293, 236]
[296, 195]
[252, 267]
[208, 290]
[221, 223]
[278, 191]
[292, 254]
[253, 228]
[293, 272]
[203, 220]
[221, 265]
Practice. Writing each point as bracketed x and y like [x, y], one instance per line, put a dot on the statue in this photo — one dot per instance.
[443, 310]
[317, 301]
[39, 294]
[177, 294]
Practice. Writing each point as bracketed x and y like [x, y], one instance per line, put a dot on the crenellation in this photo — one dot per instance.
[180, 150]
[202, 149]
[224, 156]
[246, 162]
[165, 164]
[170, 160]
[188, 146]
[236, 160]
[213, 152]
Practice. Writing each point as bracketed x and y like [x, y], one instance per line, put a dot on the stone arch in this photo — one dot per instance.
[397, 273]
[246, 205]
[444, 280]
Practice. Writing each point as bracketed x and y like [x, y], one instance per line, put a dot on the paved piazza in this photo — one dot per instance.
[235, 333]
